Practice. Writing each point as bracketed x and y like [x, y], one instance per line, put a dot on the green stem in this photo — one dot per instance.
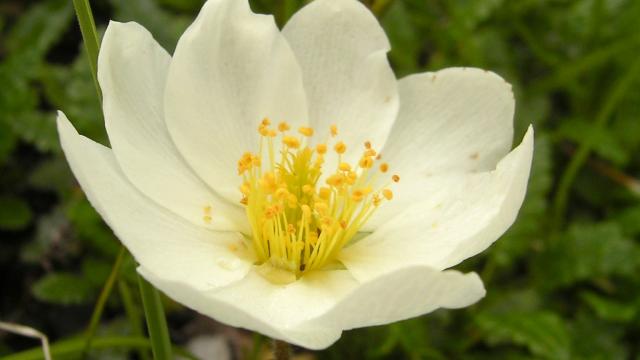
[257, 346]
[102, 300]
[156, 321]
[89, 37]
[73, 347]
[132, 314]
[583, 152]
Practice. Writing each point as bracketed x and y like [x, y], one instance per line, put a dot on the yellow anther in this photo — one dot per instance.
[351, 177]
[388, 194]
[207, 210]
[357, 195]
[312, 238]
[245, 189]
[321, 149]
[306, 212]
[324, 193]
[379, 156]
[306, 131]
[291, 142]
[292, 201]
[207, 219]
[268, 183]
[321, 207]
[299, 224]
[335, 180]
[283, 126]
[263, 130]
[281, 193]
[366, 162]
[395, 178]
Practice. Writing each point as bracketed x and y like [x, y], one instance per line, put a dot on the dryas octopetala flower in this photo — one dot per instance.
[286, 182]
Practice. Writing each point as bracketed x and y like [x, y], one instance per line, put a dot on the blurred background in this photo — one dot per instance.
[563, 283]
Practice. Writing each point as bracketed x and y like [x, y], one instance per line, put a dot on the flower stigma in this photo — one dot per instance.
[299, 218]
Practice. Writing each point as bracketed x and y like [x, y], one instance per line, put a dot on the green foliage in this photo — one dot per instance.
[63, 289]
[14, 213]
[544, 333]
[553, 292]
[588, 251]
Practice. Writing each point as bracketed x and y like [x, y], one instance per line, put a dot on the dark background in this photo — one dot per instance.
[562, 283]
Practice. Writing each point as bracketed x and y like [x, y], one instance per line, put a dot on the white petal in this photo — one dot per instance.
[342, 50]
[313, 311]
[164, 243]
[132, 69]
[453, 120]
[231, 69]
[463, 218]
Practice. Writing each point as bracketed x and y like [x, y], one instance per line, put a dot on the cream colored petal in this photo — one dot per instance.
[231, 69]
[167, 245]
[342, 51]
[314, 311]
[132, 69]
[452, 120]
[459, 217]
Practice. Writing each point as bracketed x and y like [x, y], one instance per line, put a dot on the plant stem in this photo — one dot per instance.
[281, 350]
[71, 348]
[89, 37]
[566, 181]
[132, 314]
[156, 321]
[102, 300]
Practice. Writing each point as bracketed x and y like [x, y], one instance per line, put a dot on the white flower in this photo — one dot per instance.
[297, 254]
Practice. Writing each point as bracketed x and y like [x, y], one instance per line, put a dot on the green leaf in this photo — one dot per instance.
[629, 220]
[40, 27]
[605, 144]
[38, 129]
[587, 251]
[15, 214]
[63, 289]
[609, 309]
[543, 333]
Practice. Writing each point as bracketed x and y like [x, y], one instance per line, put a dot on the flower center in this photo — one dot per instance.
[300, 224]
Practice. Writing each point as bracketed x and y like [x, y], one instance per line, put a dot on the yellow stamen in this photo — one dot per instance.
[283, 126]
[306, 131]
[298, 223]
[388, 194]
[291, 142]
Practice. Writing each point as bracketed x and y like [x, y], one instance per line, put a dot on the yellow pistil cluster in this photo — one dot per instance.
[299, 222]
